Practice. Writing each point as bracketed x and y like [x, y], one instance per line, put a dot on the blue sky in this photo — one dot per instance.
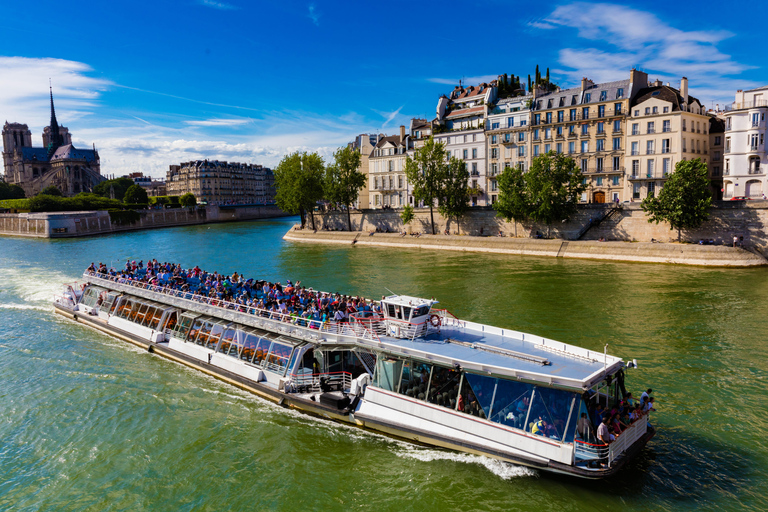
[156, 83]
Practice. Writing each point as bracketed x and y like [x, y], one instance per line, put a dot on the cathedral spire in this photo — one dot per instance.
[55, 140]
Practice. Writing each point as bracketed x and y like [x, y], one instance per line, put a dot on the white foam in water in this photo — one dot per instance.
[33, 285]
[23, 306]
[503, 470]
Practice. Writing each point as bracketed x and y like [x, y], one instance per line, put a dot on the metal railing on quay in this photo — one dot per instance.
[281, 322]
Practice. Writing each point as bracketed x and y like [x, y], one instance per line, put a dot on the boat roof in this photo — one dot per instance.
[491, 350]
[407, 300]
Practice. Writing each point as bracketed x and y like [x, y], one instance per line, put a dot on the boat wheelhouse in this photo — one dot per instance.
[404, 368]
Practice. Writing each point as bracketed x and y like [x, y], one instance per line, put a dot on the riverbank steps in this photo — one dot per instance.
[622, 222]
[642, 252]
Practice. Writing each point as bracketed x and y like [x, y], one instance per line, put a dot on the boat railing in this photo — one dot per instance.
[627, 438]
[585, 451]
[63, 300]
[285, 323]
[329, 381]
[372, 323]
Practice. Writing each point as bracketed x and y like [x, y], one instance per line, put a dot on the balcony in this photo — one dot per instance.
[745, 105]
[650, 151]
[656, 175]
[651, 131]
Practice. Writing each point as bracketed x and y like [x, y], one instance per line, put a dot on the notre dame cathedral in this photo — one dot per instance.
[58, 163]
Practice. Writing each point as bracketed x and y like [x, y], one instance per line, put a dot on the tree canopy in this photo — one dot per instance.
[685, 198]
[454, 200]
[51, 190]
[299, 183]
[426, 172]
[136, 195]
[343, 180]
[120, 186]
[188, 199]
[548, 192]
[11, 191]
[407, 214]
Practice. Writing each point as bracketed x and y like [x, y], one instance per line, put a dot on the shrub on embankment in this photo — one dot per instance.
[47, 203]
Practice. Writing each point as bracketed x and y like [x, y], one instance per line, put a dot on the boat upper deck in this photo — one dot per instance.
[475, 347]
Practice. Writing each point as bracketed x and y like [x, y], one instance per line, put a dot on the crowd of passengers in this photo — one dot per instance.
[605, 424]
[289, 302]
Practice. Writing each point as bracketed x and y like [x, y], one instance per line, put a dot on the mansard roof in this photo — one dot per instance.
[392, 139]
[664, 93]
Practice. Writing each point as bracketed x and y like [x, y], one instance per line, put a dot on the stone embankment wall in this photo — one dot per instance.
[74, 224]
[646, 252]
[743, 219]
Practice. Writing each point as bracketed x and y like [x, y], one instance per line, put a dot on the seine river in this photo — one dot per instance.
[88, 422]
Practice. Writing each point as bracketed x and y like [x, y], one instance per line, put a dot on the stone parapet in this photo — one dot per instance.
[673, 253]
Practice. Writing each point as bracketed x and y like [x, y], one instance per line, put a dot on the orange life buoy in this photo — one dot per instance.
[434, 320]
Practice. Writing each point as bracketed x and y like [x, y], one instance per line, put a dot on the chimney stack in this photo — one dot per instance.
[402, 133]
[684, 89]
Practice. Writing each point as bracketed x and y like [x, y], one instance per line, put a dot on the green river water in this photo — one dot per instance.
[88, 422]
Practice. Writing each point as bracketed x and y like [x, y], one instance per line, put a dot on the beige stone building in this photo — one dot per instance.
[216, 182]
[666, 126]
[588, 123]
[387, 184]
[364, 144]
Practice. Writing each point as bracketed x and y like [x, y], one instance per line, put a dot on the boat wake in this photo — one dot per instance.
[503, 470]
[33, 286]
[24, 306]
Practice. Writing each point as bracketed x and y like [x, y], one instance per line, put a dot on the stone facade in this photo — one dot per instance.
[747, 220]
[216, 182]
[387, 184]
[507, 137]
[666, 126]
[746, 158]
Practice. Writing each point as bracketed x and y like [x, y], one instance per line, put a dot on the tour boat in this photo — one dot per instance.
[406, 369]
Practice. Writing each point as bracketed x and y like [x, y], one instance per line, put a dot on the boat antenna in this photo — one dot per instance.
[390, 291]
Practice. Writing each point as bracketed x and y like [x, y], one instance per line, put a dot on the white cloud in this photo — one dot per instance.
[218, 5]
[24, 86]
[314, 14]
[219, 122]
[633, 38]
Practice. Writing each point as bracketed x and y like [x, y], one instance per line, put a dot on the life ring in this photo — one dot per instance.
[435, 320]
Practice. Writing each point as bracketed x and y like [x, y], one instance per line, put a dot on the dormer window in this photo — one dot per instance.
[587, 97]
[620, 93]
[573, 100]
[603, 95]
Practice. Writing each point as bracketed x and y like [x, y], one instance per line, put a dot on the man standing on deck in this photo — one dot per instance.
[603, 433]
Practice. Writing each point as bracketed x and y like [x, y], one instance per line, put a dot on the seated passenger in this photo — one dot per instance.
[603, 434]
[539, 427]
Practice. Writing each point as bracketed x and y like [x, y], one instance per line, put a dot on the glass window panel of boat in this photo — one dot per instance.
[279, 353]
[125, 308]
[585, 430]
[183, 326]
[294, 358]
[169, 323]
[417, 381]
[551, 406]
[387, 373]
[250, 346]
[574, 401]
[195, 330]
[477, 394]
[89, 297]
[108, 302]
[237, 343]
[510, 403]
[444, 386]
[216, 331]
[227, 337]
[205, 330]
[140, 313]
[149, 314]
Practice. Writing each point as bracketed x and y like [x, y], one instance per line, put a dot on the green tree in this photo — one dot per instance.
[135, 195]
[685, 199]
[407, 214]
[343, 180]
[548, 192]
[188, 199]
[11, 191]
[120, 185]
[299, 184]
[51, 190]
[427, 172]
[512, 203]
[454, 200]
